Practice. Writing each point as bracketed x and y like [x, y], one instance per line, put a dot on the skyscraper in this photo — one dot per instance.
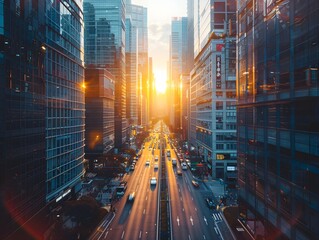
[178, 66]
[138, 15]
[99, 112]
[213, 88]
[22, 115]
[65, 109]
[105, 48]
[42, 125]
[131, 55]
[278, 130]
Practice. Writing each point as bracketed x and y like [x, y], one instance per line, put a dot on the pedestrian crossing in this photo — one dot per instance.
[217, 217]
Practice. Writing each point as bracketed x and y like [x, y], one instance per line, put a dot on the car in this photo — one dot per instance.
[156, 158]
[210, 203]
[195, 183]
[153, 181]
[179, 172]
[155, 166]
[184, 166]
[131, 197]
[132, 167]
[147, 163]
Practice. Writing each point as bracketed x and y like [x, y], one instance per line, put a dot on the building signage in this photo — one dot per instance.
[218, 71]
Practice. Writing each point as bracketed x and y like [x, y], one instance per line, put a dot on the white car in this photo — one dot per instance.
[155, 166]
[131, 196]
[153, 181]
[147, 163]
[184, 166]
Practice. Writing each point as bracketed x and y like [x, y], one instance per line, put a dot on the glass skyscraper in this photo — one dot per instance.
[65, 109]
[22, 115]
[138, 15]
[105, 48]
[278, 117]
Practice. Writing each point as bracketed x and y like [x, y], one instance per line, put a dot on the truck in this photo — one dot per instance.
[174, 161]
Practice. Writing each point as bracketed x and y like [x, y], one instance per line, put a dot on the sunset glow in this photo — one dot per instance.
[160, 82]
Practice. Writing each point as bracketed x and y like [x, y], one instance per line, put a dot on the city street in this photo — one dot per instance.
[190, 216]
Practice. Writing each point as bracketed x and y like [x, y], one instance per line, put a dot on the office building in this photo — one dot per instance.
[105, 48]
[65, 101]
[99, 112]
[138, 15]
[42, 123]
[213, 89]
[278, 131]
[131, 59]
[178, 66]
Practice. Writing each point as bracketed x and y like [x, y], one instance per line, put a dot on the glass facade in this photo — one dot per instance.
[99, 112]
[22, 117]
[278, 102]
[131, 54]
[138, 15]
[105, 47]
[178, 66]
[65, 110]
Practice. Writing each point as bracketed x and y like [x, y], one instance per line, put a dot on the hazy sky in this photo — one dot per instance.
[160, 13]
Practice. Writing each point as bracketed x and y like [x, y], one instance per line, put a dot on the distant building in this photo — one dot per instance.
[105, 48]
[138, 15]
[213, 88]
[131, 55]
[99, 112]
[278, 118]
[185, 106]
[178, 66]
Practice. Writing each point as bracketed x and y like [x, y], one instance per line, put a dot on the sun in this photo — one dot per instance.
[160, 81]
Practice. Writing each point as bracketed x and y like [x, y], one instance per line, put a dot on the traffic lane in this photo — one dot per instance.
[198, 215]
[179, 228]
[138, 182]
[197, 199]
[144, 213]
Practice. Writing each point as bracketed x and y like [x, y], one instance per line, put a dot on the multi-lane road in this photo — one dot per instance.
[139, 219]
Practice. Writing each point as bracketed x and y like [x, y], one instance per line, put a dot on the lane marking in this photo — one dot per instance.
[189, 237]
[140, 234]
[144, 211]
[177, 220]
[106, 234]
[196, 209]
[146, 198]
[216, 230]
[191, 219]
[122, 235]
[204, 236]
[205, 220]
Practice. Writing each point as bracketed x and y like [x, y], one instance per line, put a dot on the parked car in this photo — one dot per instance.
[195, 183]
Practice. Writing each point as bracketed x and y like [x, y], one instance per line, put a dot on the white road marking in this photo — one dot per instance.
[196, 209]
[140, 234]
[146, 198]
[214, 217]
[205, 220]
[191, 219]
[204, 236]
[106, 234]
[177, 220]
[216, 230]
[189, 237]
[183, 209]
[144, 211]
[122, 235]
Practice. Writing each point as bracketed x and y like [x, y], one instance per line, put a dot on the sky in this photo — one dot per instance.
[160, 13]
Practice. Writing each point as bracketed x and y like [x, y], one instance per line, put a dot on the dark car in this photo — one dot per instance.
[210, 203]
[179, 172]
[195, 183]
